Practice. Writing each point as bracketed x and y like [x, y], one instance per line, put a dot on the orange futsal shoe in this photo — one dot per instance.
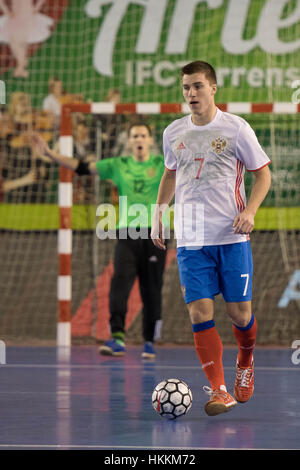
[220, 401]
[244, 382]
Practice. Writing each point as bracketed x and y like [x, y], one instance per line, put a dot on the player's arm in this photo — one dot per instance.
[244, 221]
[26, 180]
[165, 195]
[41, 149]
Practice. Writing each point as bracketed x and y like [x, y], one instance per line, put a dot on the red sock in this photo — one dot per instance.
[245, 338]
[209, 349]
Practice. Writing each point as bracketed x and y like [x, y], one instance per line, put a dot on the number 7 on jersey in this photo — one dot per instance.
[201, 160]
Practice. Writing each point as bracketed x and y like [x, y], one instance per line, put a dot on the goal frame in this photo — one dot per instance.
[65, 188]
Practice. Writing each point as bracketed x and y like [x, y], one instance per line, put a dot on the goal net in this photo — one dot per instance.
[91, 55]
[71, 272]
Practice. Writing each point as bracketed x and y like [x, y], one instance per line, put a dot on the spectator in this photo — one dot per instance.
[52, 102]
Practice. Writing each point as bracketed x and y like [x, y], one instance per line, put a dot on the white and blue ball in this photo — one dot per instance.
[172, 398]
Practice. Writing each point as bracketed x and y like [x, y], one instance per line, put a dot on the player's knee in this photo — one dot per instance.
[199, 316]
[241, 318]
[201, 311]
[242, 322]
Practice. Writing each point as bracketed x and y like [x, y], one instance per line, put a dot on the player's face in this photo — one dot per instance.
[198, 92]
[140, 142]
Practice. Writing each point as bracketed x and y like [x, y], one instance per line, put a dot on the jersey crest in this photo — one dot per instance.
[219, 145]
[181, 146]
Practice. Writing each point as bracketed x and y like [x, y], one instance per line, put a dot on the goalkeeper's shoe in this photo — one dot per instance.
[220, 401]
[244, 382]
[113, 347]
[149, 351]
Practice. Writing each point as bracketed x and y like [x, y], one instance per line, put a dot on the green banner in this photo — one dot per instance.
[44, 217]
[139, 46]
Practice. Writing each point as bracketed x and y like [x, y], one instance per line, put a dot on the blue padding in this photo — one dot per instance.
[203, 326]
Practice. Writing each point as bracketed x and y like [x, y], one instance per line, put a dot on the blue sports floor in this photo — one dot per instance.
[87, 401]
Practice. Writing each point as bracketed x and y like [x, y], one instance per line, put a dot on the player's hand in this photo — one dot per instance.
[157, 234]
[244, 222]
[39, 146]
[31, 177]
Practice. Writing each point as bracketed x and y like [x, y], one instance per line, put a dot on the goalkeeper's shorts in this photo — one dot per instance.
[208, 271]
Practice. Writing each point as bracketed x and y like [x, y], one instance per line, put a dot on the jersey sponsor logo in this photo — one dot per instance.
[219, 145]
[151, 172]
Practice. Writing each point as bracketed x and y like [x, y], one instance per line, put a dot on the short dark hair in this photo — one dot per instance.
[200, 66]
[140, 124]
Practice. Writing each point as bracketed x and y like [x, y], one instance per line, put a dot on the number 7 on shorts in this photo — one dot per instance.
[246, 283]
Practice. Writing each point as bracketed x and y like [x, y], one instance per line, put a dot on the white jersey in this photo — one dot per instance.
[210, 162]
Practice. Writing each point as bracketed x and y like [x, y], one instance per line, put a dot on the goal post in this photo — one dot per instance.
[276, 229]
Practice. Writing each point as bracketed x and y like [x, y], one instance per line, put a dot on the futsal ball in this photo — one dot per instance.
[172, 398]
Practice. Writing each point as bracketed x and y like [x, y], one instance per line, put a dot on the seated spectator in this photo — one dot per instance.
[57, 97]
[82, 147]
[109, 124]
[6, 125]
[19, 167]
[52, 102]
[9, 185]
[20, 110]
[21, 115]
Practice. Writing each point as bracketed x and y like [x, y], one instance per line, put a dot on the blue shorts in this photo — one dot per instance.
[211, 270]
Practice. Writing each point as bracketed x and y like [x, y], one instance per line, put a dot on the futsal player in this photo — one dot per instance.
[206, 153]
[137, 177]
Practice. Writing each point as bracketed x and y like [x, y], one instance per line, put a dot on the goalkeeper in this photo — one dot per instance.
[137, 177]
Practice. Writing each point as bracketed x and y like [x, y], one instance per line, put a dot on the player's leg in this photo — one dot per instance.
[199, 282]
[207, 341]
[237, 291]
[209, 349]
[151, 269]
[125, 271]
[244, 328]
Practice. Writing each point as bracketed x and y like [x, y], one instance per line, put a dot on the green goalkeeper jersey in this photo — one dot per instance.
[138, 181]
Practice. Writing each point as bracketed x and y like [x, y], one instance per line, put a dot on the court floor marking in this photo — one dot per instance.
[128, 367]
[102, 447]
